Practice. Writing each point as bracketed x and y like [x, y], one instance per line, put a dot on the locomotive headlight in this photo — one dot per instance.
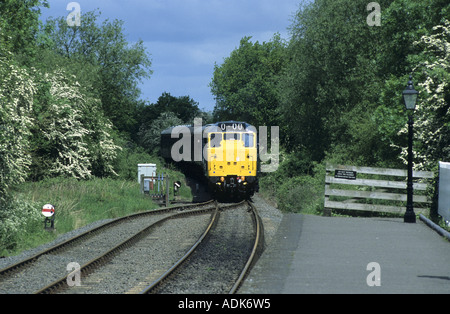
[243, 178]
[222, 179]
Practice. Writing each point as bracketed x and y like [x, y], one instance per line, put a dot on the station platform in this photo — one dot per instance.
[330, 255]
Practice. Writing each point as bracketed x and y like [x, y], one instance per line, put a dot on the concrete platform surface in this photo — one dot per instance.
[313, 254]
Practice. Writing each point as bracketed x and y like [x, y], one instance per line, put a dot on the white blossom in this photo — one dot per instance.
[17, 89]
[432, 117]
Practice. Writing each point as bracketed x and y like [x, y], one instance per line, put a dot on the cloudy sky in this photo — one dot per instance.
[186, 37]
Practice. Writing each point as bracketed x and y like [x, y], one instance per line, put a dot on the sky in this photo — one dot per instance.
[187, 37]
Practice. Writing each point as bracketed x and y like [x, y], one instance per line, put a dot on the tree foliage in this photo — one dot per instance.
[337, 87]
[184, 108]
[71, 137]
[330, 83]
[245, 85]
[17, 89]
[19, 22]
[150, 134]
[166, 112]
[55, 94]
[407, 32]
[118, 65]
[433, 110]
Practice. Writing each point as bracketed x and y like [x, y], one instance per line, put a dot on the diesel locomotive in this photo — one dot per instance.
[227, 152]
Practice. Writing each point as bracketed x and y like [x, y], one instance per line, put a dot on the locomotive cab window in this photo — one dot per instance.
[248, 140]
[215, 140]
[232, 136]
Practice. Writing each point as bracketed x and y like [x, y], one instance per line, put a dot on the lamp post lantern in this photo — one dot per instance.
[410, 99]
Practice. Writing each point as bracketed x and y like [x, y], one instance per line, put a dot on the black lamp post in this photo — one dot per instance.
[410, 99]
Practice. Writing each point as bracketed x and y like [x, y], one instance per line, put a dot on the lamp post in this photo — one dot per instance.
[410, 99]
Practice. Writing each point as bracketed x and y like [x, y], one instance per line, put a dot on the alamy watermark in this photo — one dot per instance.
[74, 17]
[374, 18]
[374, 278]
[74, 277]
[181, 150]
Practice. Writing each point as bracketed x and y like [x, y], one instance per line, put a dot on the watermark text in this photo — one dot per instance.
[374, 18]
[74, 17]
[74, 277]
[374, 278]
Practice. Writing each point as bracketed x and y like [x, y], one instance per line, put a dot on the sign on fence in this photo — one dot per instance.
[361, 188]
[345, 174]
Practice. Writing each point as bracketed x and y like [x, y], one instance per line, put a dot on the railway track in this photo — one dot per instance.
[29, 275]
[145, 245]
[220, 259]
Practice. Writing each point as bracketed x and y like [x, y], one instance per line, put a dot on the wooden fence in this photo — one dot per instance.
[370, 184]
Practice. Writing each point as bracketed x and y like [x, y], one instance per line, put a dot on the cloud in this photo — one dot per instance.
[197, 20]
[186, 37]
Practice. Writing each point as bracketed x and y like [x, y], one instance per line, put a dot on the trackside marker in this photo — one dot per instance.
[48, 210]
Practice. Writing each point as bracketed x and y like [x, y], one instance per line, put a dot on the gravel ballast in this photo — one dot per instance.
[216, 264]
[163, 247]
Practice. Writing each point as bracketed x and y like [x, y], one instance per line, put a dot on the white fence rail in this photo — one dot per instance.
[370, 184]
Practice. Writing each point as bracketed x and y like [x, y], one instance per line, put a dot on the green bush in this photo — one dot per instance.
[19, 219]
[299, 193]
[77, 203]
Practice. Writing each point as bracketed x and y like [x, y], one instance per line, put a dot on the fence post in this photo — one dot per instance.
[326, 210]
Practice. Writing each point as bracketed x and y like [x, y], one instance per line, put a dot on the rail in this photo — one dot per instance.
[61, 246]
[144, 231]
[149, 289]
[111, 253]
[256, 250]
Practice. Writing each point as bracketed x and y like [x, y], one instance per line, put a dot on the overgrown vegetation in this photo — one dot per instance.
[72, 125]
[72, 121]
[77, 203]
[335, 90]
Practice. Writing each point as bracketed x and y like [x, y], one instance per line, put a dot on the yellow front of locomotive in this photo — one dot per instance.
[231, 158]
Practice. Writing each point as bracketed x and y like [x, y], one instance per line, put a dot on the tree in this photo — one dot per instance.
[403, 23]
[70, 137]
[168, 111]
[184, 108]
[17, 90]
[150, 134]
[119, 66]
[341, 91]
[433, 110]
[19, 21]
[245, 85]
[406, 24]
[330, 82]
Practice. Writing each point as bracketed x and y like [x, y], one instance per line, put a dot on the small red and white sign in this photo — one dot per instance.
[48, 210]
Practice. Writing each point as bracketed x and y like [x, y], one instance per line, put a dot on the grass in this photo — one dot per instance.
[77, 203]
[298, 194]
